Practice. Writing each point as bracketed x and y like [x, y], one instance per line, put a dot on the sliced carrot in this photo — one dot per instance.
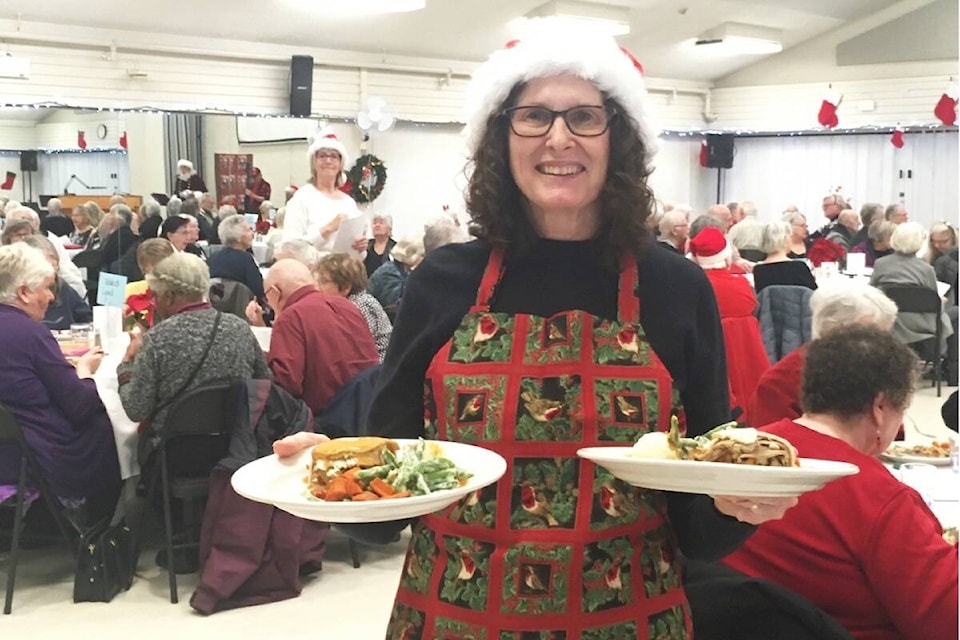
[380, 487]
[352, 487]
[365, 496]
[335, 495]
[398, 494]
[351, 473]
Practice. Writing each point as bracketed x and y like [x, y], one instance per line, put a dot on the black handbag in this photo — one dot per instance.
[106, 562]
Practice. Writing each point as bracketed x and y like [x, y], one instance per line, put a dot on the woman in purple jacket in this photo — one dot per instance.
[56, 405]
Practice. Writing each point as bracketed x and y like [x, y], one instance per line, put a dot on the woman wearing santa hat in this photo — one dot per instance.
[317, 209]
[187, 180]
[562, 326]
[746, 357]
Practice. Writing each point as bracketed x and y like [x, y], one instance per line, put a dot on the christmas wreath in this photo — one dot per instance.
[366, 179]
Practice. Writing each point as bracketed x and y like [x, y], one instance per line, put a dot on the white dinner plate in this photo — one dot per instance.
[902, 459]
[283, 483]
[717, 478]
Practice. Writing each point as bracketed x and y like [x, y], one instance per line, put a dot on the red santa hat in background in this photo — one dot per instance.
[710, 249]
[548, 50]
[326, 139]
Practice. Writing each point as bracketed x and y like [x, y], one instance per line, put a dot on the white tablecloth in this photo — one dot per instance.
[259, 251]
[124, 429]
[945, 495]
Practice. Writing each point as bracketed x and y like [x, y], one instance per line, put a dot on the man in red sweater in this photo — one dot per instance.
[319, 342]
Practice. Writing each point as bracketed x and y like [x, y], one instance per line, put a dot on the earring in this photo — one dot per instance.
[878, 436]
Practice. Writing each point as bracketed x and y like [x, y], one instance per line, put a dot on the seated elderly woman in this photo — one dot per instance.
[15, 231]
[904, 268]
[877, 244]
[67, 307]
[838, 303]
[84, 229]
[778, 268]
[389, 280]
[56, 405]
[798, 234]
[943, 237]
[149, 253]
[234, 261]
[341, 275]
[865, 548]
[168, 360]
[381, 244]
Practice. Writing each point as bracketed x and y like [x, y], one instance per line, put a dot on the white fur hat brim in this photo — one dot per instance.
[185, 163]
[553, 50]
[326, 139]
[716, 261]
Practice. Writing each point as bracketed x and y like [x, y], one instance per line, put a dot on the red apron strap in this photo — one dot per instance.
[491, 276]
[628, 304]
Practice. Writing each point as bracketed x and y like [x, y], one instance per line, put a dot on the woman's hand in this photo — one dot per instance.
[753, 510]
[136, 338]
[292, 445]
[359, 245]
[332, 226]
[254, 313]
[89, 362]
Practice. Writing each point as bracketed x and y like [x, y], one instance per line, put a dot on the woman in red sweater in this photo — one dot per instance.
[865, 548]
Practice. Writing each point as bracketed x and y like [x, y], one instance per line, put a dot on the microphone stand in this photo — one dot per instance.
[73, 177]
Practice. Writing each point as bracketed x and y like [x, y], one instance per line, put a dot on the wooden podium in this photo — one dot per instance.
[71, 201]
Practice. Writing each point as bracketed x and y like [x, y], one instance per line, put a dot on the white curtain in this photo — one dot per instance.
[106, 173]
[799, 170]
[182, 140]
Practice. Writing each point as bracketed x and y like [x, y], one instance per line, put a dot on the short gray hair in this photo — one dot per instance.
[704, 221]
[42, 243]
[148, 209]
[670, 219]
[840, 302]
[869, 213]
[173, 206]
[123, 212]
[25, 213]
[793, 217]
[385, 217]
[440, 232]
[21, 266]
[182, 274]
[54, 206]
[892, 210]
[776, 235]
[231, 229]
[881, 230]
[226, 210]
[749, 209]
[908, 238]
[300, 250]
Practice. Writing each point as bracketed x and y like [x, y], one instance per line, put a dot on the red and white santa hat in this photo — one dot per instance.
[710, 249]
[326, 139]
[552, 50]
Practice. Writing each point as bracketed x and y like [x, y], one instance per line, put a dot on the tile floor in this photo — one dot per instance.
[43, 607]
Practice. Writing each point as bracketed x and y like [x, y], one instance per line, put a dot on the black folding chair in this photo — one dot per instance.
[10, 434]
[196, 436]
[90, 260]
[917, 299]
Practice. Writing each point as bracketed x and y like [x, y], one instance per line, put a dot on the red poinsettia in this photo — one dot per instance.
[263, 227]
[139, 310]
[824, 250]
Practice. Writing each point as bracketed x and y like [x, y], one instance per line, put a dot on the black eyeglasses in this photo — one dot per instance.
[584, 120]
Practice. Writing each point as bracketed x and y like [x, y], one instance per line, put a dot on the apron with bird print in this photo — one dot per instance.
[557, 549]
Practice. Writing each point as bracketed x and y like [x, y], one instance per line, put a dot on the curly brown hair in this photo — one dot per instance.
[848, 367]
[497, 207]
[345, 271]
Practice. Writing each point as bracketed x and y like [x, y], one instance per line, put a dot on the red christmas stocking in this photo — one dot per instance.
[123, 140]
[897, 139]
[828, 114]
[946, 110]
[81, 139]
[8, 183]
[703, 153]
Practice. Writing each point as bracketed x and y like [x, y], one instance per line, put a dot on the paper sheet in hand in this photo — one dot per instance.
[942, 288]
[350, 230]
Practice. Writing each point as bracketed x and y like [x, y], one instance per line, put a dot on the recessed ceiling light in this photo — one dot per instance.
[613, 21]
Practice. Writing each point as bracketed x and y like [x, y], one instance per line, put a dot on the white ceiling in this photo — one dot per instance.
[466, 30]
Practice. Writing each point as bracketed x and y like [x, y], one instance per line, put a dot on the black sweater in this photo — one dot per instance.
[234, 264]
[678, 311]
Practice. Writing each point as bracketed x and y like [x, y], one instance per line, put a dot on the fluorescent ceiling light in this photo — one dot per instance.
[613, 21]
[346, 8]
[734, 38]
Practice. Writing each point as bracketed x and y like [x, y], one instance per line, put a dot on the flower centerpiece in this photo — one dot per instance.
[138, 311]
[824, 250]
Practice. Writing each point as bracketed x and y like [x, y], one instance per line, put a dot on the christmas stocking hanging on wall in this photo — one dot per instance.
[897, 138]
[703, 153]
[8, 183]
[946, 109]
[81, 139]
[827, 117]
[123, 140]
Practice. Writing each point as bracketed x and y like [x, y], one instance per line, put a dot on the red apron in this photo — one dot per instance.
[558, 548]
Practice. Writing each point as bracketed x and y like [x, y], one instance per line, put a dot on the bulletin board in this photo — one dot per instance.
[232, 173]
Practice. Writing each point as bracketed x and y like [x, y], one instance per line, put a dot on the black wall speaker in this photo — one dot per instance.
[28, 161]
[301, 85]
[719, 151]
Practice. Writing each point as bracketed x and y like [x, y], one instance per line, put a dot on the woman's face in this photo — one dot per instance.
[328, 286]
[327, 165]
[380, 228]
[80, 220]
[799, 229]
[941, 241]
[35, 302]
[246, 237]
[560, 172]
[180, 238]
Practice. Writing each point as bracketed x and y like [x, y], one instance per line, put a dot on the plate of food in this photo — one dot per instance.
[725, 461]
[369, 479]
[936, 452]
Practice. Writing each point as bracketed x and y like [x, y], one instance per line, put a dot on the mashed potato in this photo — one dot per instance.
[655, 444]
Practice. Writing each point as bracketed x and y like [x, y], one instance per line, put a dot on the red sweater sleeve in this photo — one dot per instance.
[913, 570]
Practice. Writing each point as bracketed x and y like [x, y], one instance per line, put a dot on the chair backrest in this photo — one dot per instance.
[205, 414]
[786, 319]
[89, 259]
[230, 296]
[914, 298]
